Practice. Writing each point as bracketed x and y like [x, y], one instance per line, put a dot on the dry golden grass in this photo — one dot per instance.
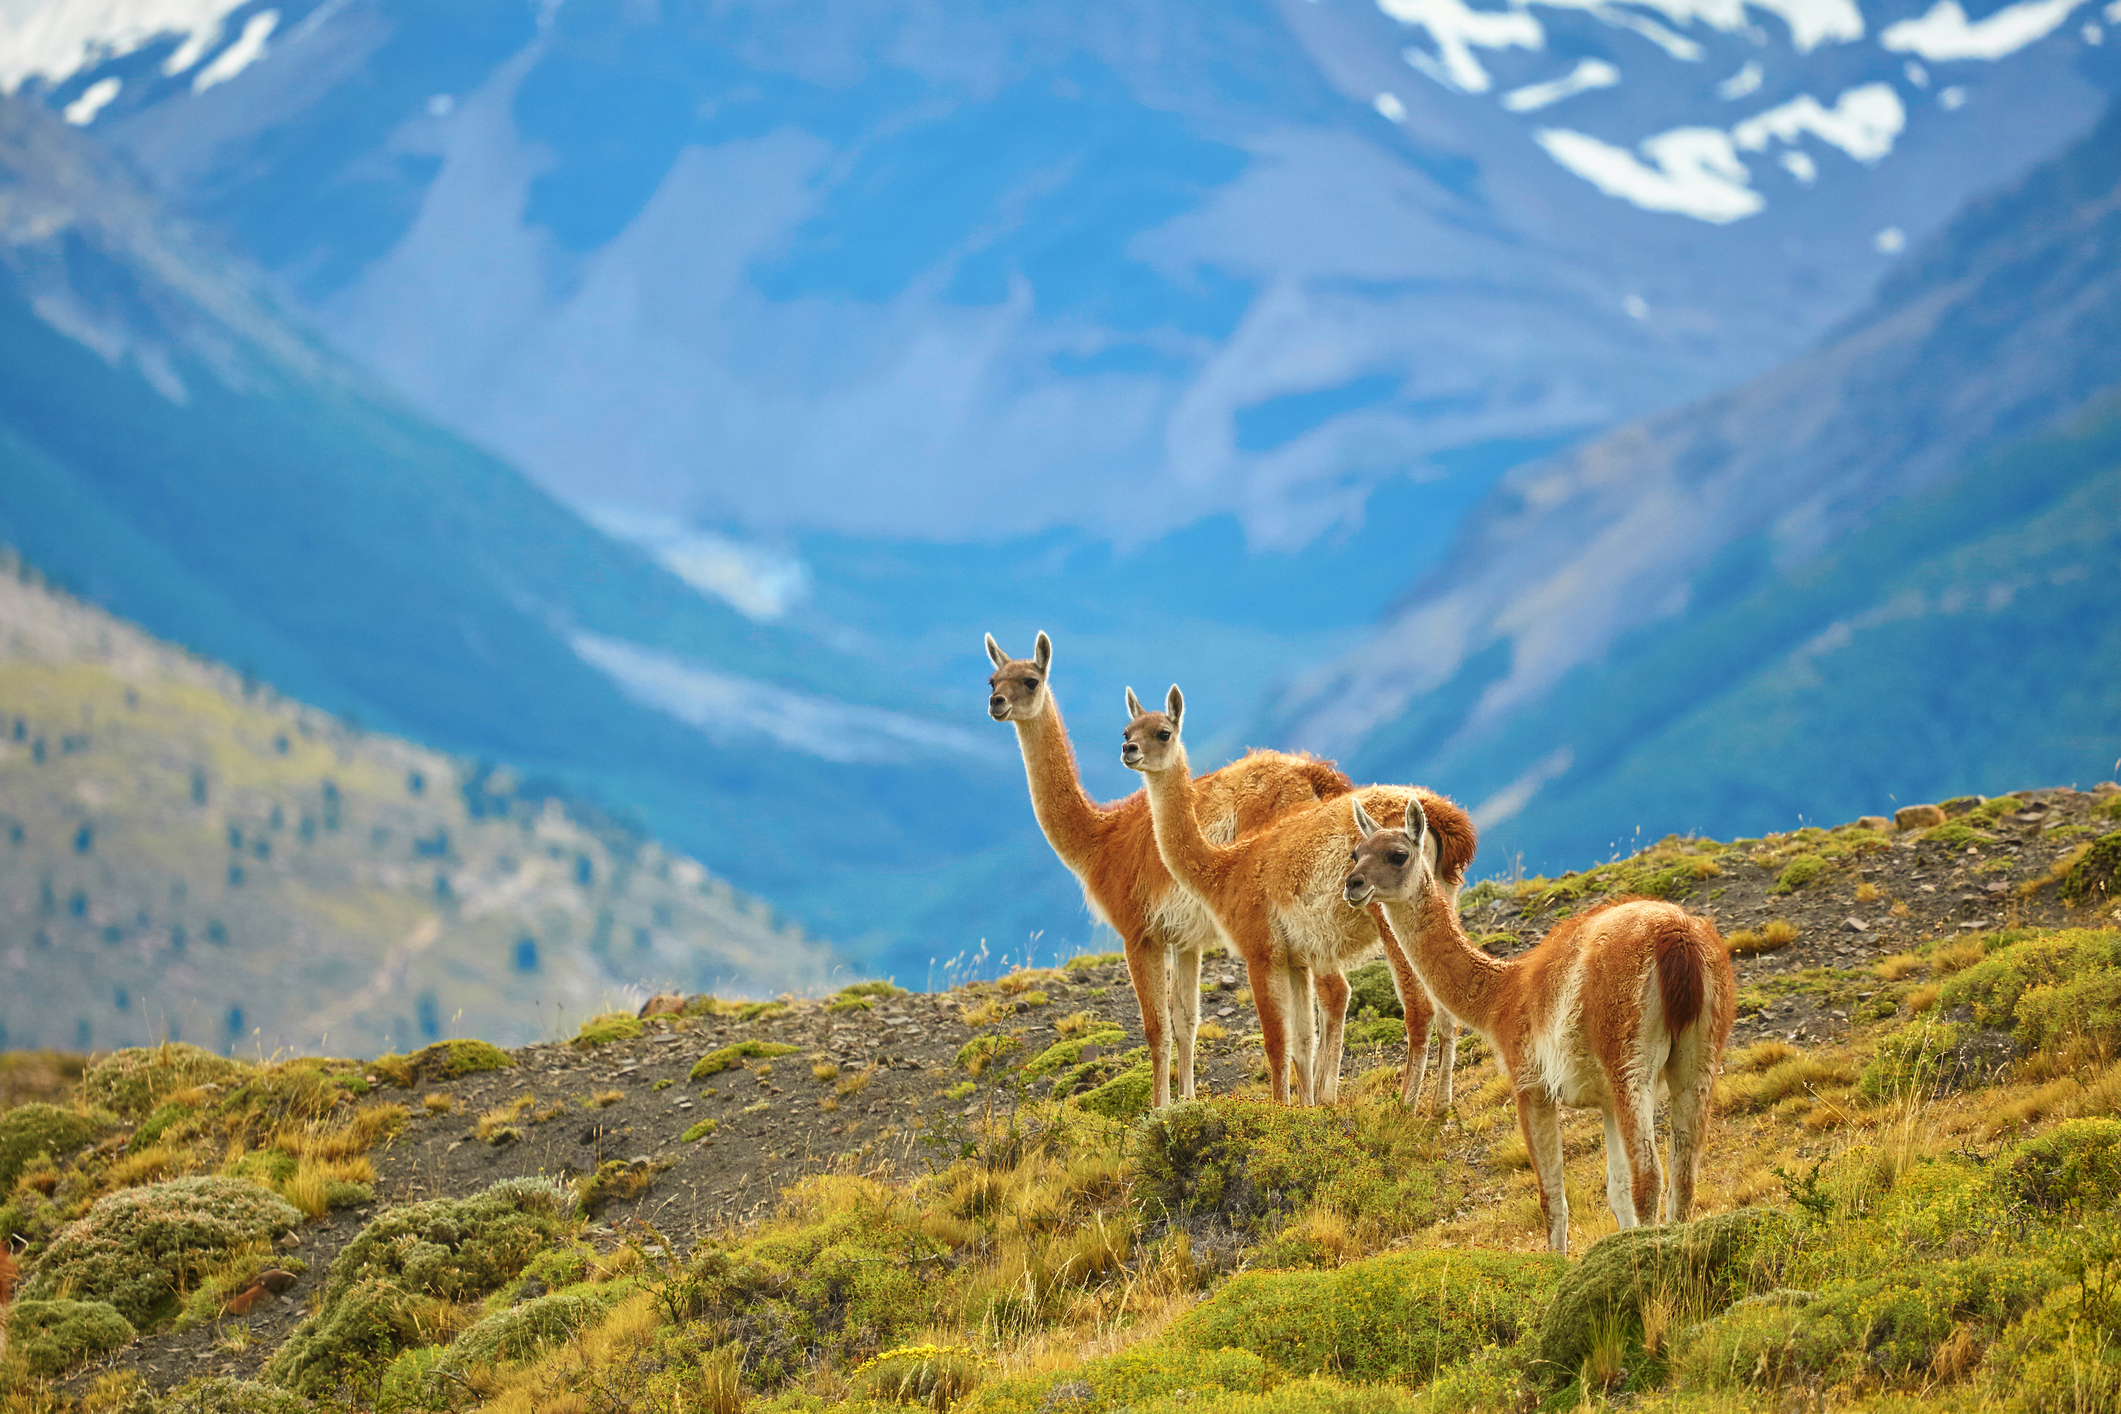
[824, 1072]
[1957, 957]
[1211, 1031]
[1779, 933]
[605, 1099]
[1899, 965]
[1866, 892]
[987, 1011]
[493, 1124]
[1074, 1024]
[1761, 1055]
[439, 1103]
[852, 1085]
[1923, 998]
[1024, 979]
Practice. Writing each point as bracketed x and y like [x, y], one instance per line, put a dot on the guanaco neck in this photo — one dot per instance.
[1067, 814]
[1193, 859]
[1467, 982]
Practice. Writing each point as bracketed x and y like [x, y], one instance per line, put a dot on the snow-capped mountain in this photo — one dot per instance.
[930, 272]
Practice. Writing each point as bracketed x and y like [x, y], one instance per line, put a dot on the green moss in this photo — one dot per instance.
[1401, 1317]
[1702, 1266]
[27, 1131]
[2077, 1164]
[699, 1130]
[1247, 1166]
[444, 1060]
[142, 1249]
[1126, 1382]
[845, 1004]
[870, 989]
[53, 1336]
[384, 1285]
[1085, 960]
[132, 1082]
[759, 1011]
[1955, 833]
[1799, 872]
[603, 1030]
[1125, 1096]
[730, 1057]
[2095, 879]
[1068, 1053]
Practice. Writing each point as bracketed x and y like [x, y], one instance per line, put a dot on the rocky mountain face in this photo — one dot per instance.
[189, 856]
[920, 273]
[1723, 613]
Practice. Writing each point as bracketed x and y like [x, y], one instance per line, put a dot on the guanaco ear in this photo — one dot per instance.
[1134, 705]
[1174, 705]
[1417, 821]
[1042, 652]
[994, 651]
[1364, 825]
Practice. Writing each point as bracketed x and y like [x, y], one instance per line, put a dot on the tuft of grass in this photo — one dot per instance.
[438, 1102]
[1898, 966]
[497, 1126]
[1075, 1023]
[1779, 933]
[824, 1072]
[852, 1085]
[700, 1130]
[730, 1057]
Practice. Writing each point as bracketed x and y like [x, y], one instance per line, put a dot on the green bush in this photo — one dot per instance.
[2047, 988]
[1125, 1382]
[730, 1057]
[1246, 1165]
[142, 1249]
[29, 1130]
[2076, 1164]
[222, 1395]
[519, 1332]
[445, 1249]
[1799, 872]
[132, 1082]
[1911, 1059]
[2062, 1358]
[52, 1336]
[1403, 1317]
[603, 1030]
[1125, 1096]
[933, 1375]
[1700, 1267]
[2096, 878]
[1370, 985]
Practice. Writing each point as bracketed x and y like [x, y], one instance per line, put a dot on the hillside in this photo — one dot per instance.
[190, 856]
[876, 1199]
[1697, 621]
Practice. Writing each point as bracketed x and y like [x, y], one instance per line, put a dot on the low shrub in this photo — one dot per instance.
[133, 1081]
[27, 1131]
[520, 1332]
[2046, 989]
[936, 1376]
[1370, 985]
[1402, 1317]
[2062, 1358]
[142, 1249]
[2077, 1164]
[603, 1030]
[1065, 1054]
[2096, 877]
[1799, 872]
[1244, 1166]
[730, 1057]
[1698, 1268]
[444, 1060]
[1125, 1096]
[52, 1336]
[1133, 1380]
[222, 1395]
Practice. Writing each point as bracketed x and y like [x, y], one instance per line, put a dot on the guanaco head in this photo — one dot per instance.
[1150, 742]
[1017, 690]
[1387, 863]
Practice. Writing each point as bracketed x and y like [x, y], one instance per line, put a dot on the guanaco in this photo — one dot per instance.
[1275, 896]
[1111, 850]
[1614, 1008]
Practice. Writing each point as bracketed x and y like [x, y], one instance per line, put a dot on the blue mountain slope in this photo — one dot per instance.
[1898, 583]
[238, 490]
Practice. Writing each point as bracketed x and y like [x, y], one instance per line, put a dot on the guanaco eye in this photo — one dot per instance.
[1163, 736]
[1399, 857]
[1031, 682]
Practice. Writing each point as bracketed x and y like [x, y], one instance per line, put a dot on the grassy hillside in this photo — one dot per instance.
[183, 854]
[877, 1200]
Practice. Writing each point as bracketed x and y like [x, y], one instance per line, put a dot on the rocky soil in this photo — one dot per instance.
[896, 1097]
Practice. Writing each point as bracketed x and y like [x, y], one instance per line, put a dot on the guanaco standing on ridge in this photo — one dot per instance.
[1111, 849]
[1613, 1007]
[1275, 895]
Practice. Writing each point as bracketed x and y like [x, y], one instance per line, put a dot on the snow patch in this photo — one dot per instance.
[248, 49]
[1745, 81]
[1946, 33]
[1457, 30]
[1690, 172]
[83, 110]
[759, 583]
[1587, 75]
[54, 42]
[738, 711]
[1863, 122]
